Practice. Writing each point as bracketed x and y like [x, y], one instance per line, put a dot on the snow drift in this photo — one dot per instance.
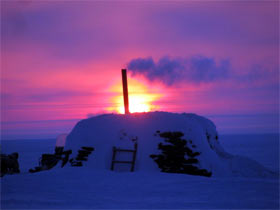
[105, 131]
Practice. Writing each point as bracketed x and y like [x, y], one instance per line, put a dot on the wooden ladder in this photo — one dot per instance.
[134, 151]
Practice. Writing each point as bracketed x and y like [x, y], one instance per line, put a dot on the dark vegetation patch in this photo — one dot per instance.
[82, 156]
[178, 155]
[48, 161]
[9, 164]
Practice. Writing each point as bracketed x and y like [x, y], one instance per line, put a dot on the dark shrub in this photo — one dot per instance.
[178, 155]
[9, 164]
[83, 154]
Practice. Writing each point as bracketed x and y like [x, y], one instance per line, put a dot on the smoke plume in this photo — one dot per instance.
[170, 71]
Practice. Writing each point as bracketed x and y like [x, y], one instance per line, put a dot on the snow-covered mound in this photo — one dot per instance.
[105, 131]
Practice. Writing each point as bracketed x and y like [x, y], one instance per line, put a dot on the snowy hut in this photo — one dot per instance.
[107, 131]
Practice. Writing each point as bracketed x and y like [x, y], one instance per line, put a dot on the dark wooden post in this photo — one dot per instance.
[125, 92]
[134, 157]
[113, 158]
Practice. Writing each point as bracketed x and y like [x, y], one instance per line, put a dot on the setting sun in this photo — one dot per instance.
[137, 103]
[140, 98]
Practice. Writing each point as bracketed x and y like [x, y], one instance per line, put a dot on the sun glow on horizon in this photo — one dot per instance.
[137, 103]
[140, 98]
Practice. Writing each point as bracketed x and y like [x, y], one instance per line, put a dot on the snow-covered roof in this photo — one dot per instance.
[105, 131]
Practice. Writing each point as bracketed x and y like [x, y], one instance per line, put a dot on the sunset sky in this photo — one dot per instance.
[61, 62]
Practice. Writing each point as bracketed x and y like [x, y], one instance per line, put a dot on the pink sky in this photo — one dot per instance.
[61, 61]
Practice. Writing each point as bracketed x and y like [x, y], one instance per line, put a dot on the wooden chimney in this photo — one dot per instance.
[125, 92]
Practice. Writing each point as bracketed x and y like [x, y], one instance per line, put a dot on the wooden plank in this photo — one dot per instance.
[134, 157]
[120, 161]
[124, 150]
[113, 158]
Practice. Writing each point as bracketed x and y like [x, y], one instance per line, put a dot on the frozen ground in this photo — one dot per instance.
[263, 148]
[81, 188]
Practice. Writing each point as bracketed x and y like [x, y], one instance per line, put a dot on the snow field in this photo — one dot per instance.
[246, 186]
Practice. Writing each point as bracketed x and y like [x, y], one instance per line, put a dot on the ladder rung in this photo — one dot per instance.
[118, 161]
[124, 150]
